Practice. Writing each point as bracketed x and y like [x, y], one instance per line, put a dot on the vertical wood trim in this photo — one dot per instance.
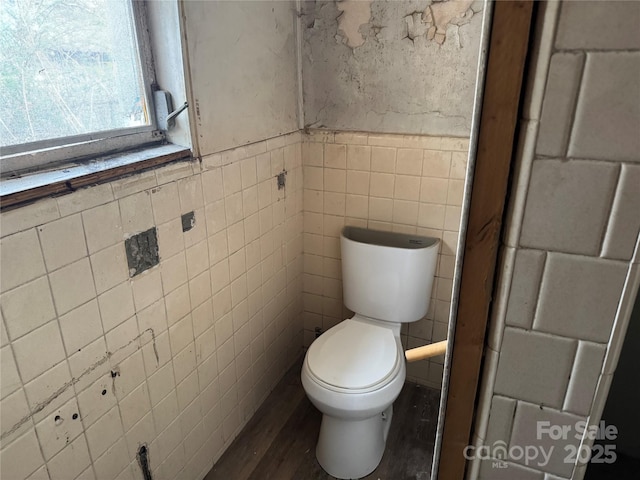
[508, 47]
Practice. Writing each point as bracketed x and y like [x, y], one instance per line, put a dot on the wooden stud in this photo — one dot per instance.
[508, 49]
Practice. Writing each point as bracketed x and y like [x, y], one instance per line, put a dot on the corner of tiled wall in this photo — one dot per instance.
[401, 183]
[95, 363]
[569, 263]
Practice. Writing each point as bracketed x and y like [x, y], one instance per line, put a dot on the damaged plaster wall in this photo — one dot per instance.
[242, 58]
[391, 66]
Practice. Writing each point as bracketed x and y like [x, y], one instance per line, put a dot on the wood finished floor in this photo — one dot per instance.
[279, 441]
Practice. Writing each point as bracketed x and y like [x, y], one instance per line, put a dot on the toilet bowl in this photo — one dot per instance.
[355, 370]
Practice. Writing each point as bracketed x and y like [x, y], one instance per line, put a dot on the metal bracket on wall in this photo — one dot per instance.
[165, 114]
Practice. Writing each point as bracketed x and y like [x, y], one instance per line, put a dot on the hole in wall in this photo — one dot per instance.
[188, 221]
[142, 251]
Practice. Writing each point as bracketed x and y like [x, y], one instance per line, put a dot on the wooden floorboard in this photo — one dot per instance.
[279, 442]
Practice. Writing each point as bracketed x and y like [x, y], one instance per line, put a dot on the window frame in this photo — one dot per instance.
[19, 159]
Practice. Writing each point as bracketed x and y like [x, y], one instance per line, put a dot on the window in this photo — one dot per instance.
[75, 81]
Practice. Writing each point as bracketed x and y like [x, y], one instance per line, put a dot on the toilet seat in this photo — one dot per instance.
[354, 356]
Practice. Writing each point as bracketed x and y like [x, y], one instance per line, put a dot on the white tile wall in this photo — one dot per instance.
[605, 124]
[388, 182]
[544, 374]
[579, 296]
[568, 205]
[616, 22]
[195, 343]
[570, 287]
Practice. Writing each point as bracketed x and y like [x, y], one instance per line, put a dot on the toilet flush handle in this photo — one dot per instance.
[426, 351]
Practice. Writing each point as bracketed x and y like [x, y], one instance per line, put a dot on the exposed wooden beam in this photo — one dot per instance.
[508, 47]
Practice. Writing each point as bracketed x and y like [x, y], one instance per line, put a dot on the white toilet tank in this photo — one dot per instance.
[387, 276]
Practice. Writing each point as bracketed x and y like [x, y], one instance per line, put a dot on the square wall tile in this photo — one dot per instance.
[383, 159]
[409, 161]
[109, 267]
[170, 238]
[335, 180]
[568, 205]
[358, 157]
[41, 390]
[102, 226]
[72, 285]
[382, 185]
[434, 190]
[431, 215]
[212, 188]
[436, 163]
[104, 433]
[500, 419]
[525, 284]
[54, 435]
[231, 178]
[526, 423]
[27, 307]
[616, 23]
[81, 326]
[29, 216]
[405, 212]
[312, 154]
[38, 351]
[22, 457]
[131, 184]
[407, 187]
[335, 156]
[62, 241]
[190, 193]
[624, 222]
[584, 378]
[561, 93]
[174, 271]
[9, 379]
[357, 182]
[85, 198]
[452, 217]
[357, 206]
[147, 288]
[116, 306]
[458, 165]
[455, 192]
[579, 296]
[165, 202]
[21, 259]
[71, 461]
[14, 412]
[534, 367]
[607, 118]
[313, 178]
[136, 213]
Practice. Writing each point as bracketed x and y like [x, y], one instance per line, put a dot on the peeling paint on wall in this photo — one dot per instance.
[406, 66]
[355, 13]
[438, 16]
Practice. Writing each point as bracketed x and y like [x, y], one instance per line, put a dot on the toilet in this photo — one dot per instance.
[355, 370]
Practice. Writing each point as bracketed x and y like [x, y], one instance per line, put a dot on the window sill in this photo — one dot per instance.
[68, 178]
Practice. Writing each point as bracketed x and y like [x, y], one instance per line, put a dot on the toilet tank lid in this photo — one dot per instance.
[353, 355]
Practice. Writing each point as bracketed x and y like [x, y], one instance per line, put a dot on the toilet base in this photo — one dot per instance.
[350, 449]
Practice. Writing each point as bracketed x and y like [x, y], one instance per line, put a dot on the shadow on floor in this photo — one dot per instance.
[279, 441]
